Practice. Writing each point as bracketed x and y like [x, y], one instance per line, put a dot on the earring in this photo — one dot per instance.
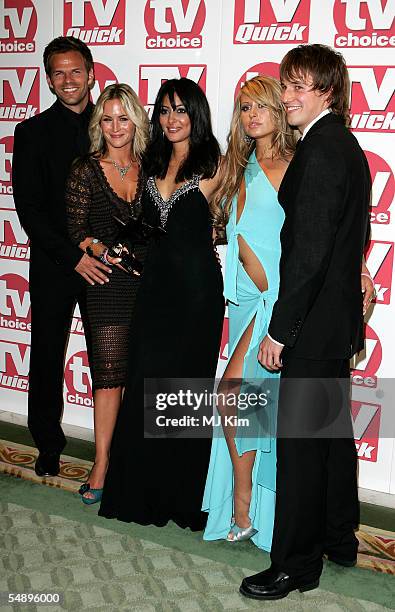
[247, 139]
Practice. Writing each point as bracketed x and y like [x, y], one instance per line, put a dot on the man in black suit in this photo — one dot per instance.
[316, 327]
[44, 149]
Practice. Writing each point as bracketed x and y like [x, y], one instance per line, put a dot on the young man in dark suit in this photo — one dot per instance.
[316, 327]
[44, 148]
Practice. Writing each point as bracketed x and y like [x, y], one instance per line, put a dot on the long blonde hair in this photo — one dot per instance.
[263, 90]
[134, 110]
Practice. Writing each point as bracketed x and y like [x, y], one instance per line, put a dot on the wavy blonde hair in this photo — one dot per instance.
[263, 90]
[134, 110]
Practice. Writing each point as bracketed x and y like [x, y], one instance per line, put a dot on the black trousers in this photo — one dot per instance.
[317, 505]
[52, 307]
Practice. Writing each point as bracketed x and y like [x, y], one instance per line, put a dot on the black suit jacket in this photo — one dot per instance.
[325, 194]
[44, 149]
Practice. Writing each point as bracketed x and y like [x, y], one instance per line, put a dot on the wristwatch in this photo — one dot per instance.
[88, 249]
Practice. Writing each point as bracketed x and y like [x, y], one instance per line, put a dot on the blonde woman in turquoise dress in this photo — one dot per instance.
[240, 489]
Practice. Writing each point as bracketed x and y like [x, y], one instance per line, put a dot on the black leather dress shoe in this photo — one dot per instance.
[343, 562]
[47, 464]
[274, 584]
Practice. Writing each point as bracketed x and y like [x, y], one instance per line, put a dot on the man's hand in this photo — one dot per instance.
[269, 354]
[92, 270]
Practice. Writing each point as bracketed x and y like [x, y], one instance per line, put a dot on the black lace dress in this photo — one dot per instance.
[176, 333]
[91, 206]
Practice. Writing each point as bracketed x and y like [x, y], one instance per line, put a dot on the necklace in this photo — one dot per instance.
[121, 169]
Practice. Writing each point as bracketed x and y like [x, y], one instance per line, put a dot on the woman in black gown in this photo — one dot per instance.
[178, 318]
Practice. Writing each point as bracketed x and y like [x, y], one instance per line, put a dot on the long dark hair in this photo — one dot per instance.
[204, 152]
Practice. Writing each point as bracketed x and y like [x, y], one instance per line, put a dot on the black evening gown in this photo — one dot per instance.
[176, 333]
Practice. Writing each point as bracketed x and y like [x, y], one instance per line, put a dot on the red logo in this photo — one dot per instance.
[77, 378]
[14, 302]
[95, 22]
[6, 148]
[19, 93]
[152, 77]
[174, 24]
[367, 363]
[364, 23]
[383, 188]
[14, 244]
[271, 21]
[380, 262]
[18, 26]
[103, 76]
[14, 366]
[265, 68]
[366, 419]
[372, 98]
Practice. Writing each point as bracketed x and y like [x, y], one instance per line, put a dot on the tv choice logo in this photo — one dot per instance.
[19, 93]
[271, 21]
[103, 76]
[174, 24]
[383, 188]
[364, 23]
[380, 262]
[366, 420]
[78, 380]
[6, 149]
[95, 22]
[364, 368]
[151, 78]
[372, 103]
[18, 26]
[14, 303]
[267, 68]
[14, 366]
[14, 244]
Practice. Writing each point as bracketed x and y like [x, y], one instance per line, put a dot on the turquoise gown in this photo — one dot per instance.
[259, 225]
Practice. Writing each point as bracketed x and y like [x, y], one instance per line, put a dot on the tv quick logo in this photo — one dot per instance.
[78, 380]
[364, 23]
[267, 68]
[18, 26]
[14, 366]
[380, 263]
[103, 76]
[96, 22]
[152, 77]
[14, 303]
[174, 24]
[366, 418]
[271, 21]
[365, 365]
[19, 93]
[383, 188]
[372, 103]
[14, 244]
[6, 149]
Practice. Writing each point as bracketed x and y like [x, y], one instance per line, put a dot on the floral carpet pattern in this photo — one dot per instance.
[376, 546]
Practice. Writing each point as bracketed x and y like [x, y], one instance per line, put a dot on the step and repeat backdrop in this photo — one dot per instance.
[219, 44]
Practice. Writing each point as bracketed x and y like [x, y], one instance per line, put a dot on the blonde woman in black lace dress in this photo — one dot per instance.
[105, 185]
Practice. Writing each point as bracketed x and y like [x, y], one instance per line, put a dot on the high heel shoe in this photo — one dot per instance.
[240, 533]
[97, 494]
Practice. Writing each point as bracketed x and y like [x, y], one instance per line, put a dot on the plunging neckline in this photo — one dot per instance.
[266, 176]
[128, 202]
[172, 195]
[245, 183]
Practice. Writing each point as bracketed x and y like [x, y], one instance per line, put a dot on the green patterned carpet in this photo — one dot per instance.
[99, 570]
